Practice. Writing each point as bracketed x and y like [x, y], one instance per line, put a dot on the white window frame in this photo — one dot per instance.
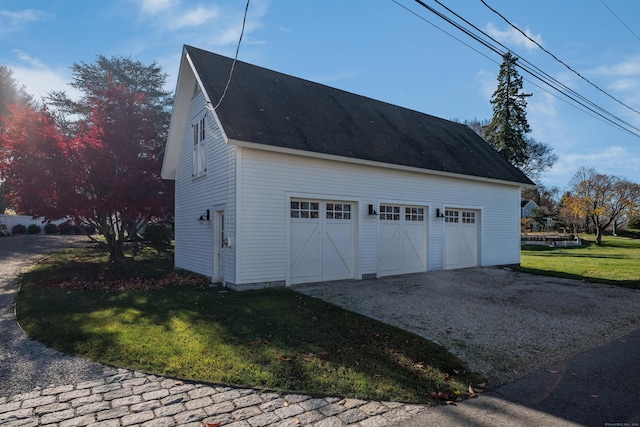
[199, 148]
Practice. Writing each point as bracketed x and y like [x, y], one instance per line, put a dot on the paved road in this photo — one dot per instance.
[598, 388]
[41, 387]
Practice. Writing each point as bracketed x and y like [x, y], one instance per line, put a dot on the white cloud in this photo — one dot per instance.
[39, 79]
[628, 67]
[14, 21]
[219, 24]
[623, 77]
[513, 37]
[156, 6]
[487, 82]
[193, 18]
[611, 160]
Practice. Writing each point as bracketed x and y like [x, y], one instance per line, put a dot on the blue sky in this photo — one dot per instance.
[374, 48]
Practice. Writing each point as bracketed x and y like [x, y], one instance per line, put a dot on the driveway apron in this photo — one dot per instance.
[555, 352]
[24, 363]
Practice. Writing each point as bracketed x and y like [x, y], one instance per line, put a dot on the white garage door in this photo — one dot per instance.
[461, 238]
[322, 240]
[403, 240]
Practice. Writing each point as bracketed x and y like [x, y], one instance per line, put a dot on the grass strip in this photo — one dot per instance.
[274, 339]
[615, 262]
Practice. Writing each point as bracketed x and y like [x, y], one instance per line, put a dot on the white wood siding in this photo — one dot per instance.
[194, 241]
[270, 179]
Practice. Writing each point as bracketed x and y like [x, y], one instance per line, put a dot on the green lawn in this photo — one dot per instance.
[273, 339]
[616, 261]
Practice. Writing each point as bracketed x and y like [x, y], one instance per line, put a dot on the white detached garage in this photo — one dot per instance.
[288, 181]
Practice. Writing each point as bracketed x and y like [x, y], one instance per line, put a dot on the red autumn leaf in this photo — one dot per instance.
[212, 424]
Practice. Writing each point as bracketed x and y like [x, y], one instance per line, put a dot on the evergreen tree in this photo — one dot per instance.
[508, 128]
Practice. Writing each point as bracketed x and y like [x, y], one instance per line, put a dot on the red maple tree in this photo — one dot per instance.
[107, 175]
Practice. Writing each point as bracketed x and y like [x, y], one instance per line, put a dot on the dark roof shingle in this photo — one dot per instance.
[267, 107]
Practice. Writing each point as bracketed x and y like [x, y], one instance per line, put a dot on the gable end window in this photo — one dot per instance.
[199, 148]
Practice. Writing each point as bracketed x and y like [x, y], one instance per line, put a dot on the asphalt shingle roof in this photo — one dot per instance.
[266, 107]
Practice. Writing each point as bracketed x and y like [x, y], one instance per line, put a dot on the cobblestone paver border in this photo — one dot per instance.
[122, 398]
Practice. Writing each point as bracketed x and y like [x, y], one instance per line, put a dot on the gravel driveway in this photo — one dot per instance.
[504, 324]
[24, 363]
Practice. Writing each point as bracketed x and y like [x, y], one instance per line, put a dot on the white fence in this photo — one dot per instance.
[12, 220]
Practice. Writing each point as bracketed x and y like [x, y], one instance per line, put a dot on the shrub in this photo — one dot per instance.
[19, 229]
[34, 229]
[158, 233]
[65, 228]
[50, 228]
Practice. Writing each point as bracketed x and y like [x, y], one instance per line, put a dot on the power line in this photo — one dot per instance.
[235, 59]
[533, 70]
[500, 49]
[619, 19]
[558, 59]
[442, 30]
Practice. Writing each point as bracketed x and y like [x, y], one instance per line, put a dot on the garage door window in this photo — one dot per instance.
[468, 217]
[389, 213]
[338, 211]
[413, 214]
[304, 209]
[451, 216]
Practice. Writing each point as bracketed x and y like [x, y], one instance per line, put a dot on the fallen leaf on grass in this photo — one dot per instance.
[451, 402]
[456, 371]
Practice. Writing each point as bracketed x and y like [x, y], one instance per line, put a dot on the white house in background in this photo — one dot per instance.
[526, 207]
[288, 181]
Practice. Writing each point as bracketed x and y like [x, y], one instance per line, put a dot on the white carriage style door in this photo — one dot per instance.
[402, 244]
[461, 238]
[322, 240]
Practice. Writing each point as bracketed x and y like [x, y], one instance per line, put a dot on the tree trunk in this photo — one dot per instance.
[116, 251]
[599, 232]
